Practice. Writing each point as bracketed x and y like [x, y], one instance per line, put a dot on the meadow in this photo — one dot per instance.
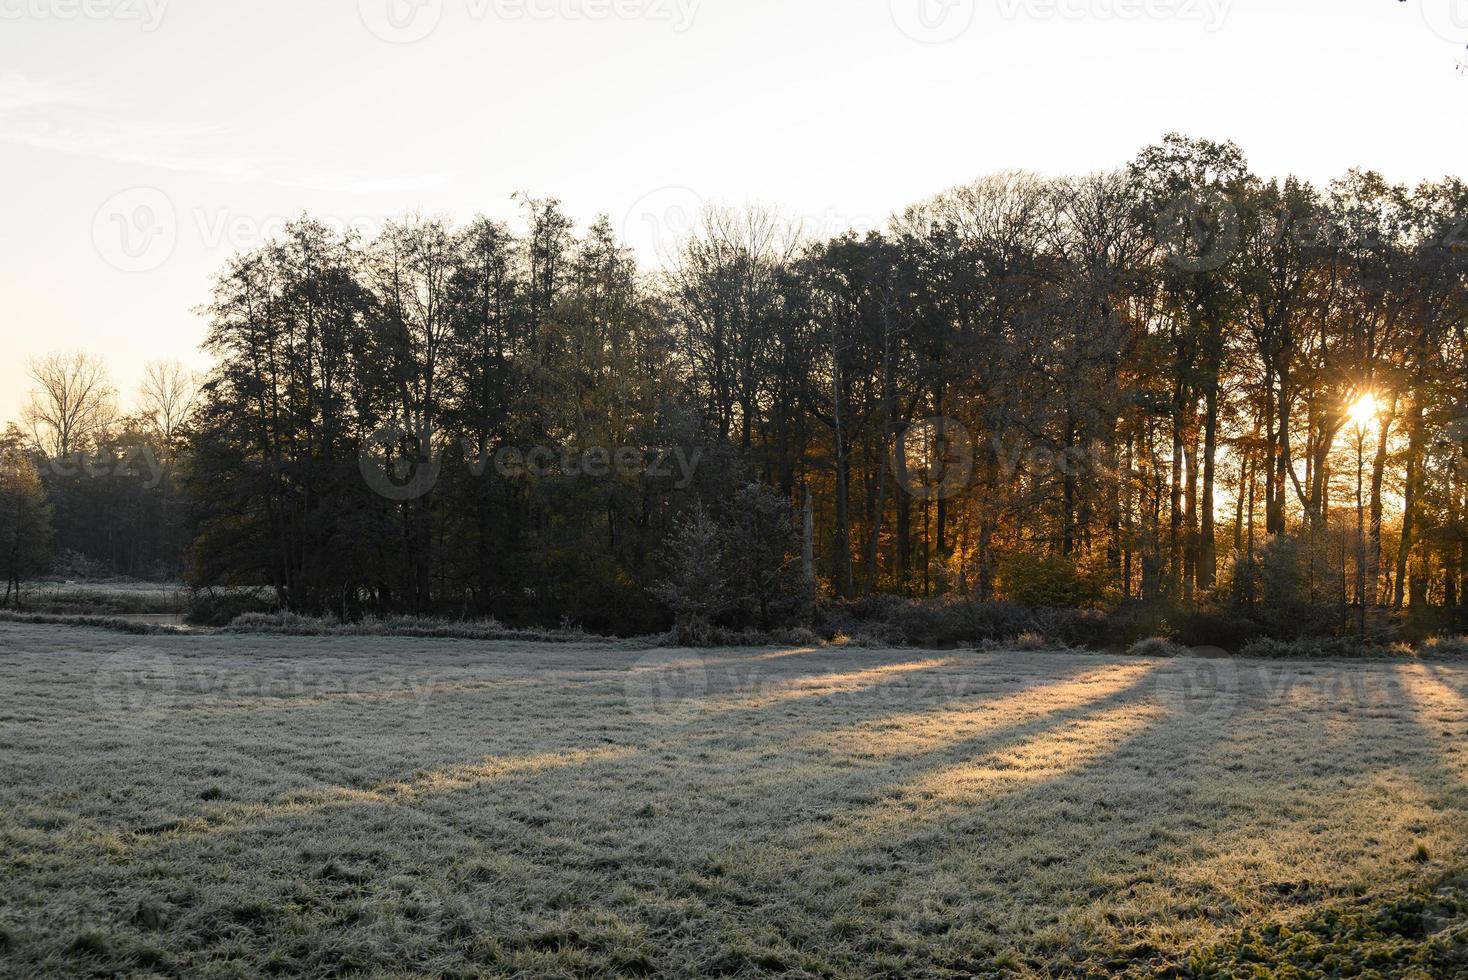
[231, 805]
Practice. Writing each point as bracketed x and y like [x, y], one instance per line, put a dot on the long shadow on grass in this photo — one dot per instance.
[475, 773]
[1439, 716]
[1006, 864]
[482, 714]
[579, 836]
[1309, 792]
[1087, 860]
[689, 862]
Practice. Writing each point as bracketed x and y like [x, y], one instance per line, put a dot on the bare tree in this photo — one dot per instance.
[165, 398]
[72, 403]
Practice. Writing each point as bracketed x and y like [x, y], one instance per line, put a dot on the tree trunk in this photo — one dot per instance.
[1208, 546]
[1278, 521]
[1409, 500]
[1374, 593]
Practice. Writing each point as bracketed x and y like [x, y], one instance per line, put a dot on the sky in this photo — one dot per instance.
[143, 142]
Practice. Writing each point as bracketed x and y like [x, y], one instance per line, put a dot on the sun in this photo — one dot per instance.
[1365, 411]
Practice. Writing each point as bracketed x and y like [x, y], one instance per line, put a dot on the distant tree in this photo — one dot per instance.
[25, 518]
[72, 404]
[165, 399]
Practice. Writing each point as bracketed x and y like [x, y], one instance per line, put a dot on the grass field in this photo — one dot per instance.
[241, 806]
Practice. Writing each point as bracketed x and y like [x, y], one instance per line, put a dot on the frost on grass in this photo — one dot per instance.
[304, 806]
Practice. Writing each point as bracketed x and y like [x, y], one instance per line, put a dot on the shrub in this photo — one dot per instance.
[1157, 647]
[1213, 627]
[221, 607]
[994, 621]
[1310, 648]
[761, 548]
[96, 622]
[281, 622]
[696, 590]
[865, 639]
[1446, 646]
[1206, 626]
[1072, 627]
[800, 636]
[79, 567]
[1287, 608]
[1038, 580]
[956, 622]
[289, 624]
[735, 569]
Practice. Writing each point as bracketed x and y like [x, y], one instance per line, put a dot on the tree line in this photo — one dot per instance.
[88, 490]
[1170, 384]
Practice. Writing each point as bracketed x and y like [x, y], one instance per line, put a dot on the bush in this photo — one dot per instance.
[221, 607]
[1287, 609]
[1206, 626]
[1213, 627]
[1157, 647]
[696, 590]
[1031, 642]
[79, 567]
[1049, 581]
[1311, 648]
[734, 569]
[97, 622]
[1446, 646]
[1072, 627]
[281, 622]
[800, 636]
[761, 552]
[951, 622]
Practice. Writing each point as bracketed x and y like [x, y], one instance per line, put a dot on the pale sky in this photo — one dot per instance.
[144, 141]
